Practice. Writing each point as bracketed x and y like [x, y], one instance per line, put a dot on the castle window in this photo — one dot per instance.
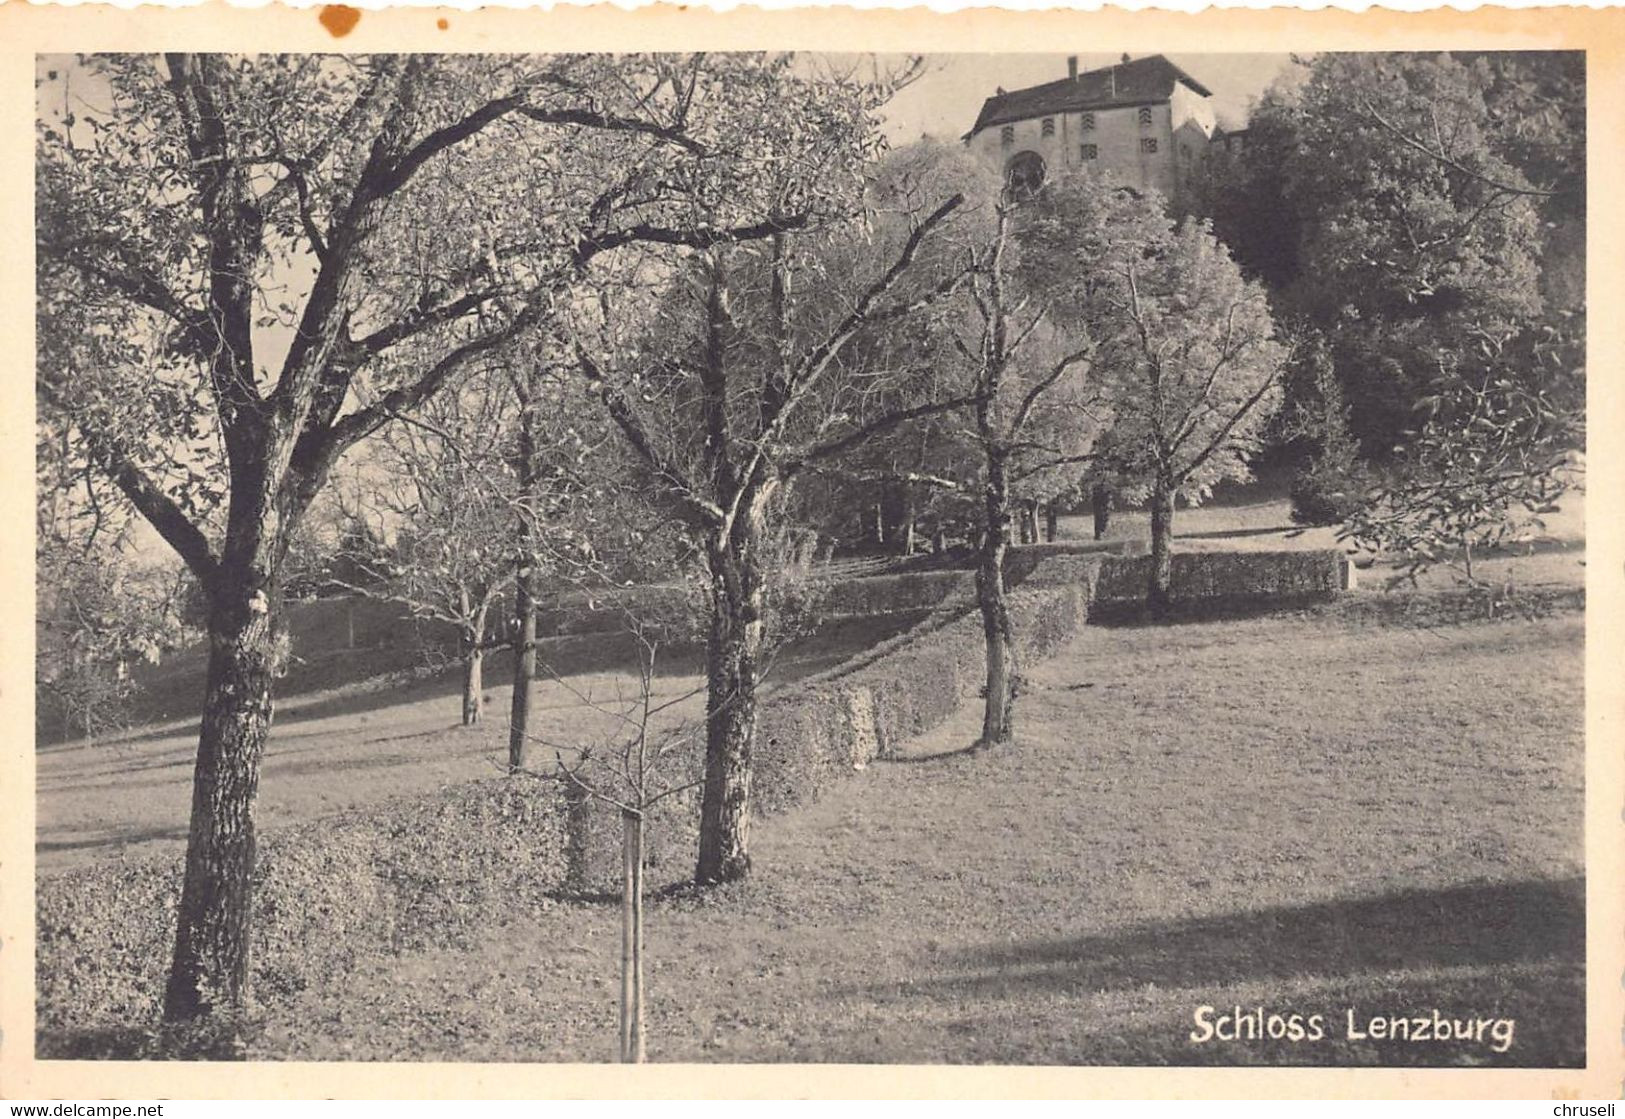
[1148, 146]
[1007, 135]
[1048, 127]
[1087, 122]
[1086, 152]
[1145, 117]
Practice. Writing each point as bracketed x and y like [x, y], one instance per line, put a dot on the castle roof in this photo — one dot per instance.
[1138, 82]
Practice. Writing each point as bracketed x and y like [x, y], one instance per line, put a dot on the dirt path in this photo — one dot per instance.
[1173, 828]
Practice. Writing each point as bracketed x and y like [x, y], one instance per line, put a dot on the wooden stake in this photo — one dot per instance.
[629, 874]
[635, 823]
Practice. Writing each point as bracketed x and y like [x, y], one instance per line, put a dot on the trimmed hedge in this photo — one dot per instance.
[1227, 576]
[428, 871]
[861, 711]
[829, 725]
[890, 594]
[401, 875]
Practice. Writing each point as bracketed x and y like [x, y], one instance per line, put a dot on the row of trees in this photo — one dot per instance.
[591, 315]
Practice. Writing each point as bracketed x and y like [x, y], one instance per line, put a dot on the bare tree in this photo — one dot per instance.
[438, 487]
[630, 767]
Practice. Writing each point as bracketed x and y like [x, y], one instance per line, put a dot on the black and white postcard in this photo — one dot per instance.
[922, 543]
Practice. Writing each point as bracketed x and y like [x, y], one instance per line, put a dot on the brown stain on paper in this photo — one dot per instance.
[339, 19]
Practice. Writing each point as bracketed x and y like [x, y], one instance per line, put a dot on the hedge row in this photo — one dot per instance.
[427, 871]
[1227, 576]
[670, 608]
[399, 876]
[866, 708]
[841, 720]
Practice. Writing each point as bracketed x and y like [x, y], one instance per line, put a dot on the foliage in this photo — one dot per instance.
[1331, 487]
[406, 875]
[1185, 346]
[1403, 204]
[99, 613]
[1492, 456]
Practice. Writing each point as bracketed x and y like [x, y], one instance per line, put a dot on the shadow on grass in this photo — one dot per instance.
[925, 759]
[831, 645]
[124, 839]
[1485, 925]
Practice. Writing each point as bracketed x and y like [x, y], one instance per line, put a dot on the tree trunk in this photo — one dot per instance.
[1158, 591]
[632, 1030]
[1052, 525]
[524, 643]
[474, 686]
[474, 670]
[732, 665]
[524, 656]
[209, 974]
[1100, 497]
[903, 534]
[1000, 692]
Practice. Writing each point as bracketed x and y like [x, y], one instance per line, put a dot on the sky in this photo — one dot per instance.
[944, 102]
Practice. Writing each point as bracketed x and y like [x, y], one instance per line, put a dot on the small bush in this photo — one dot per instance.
[1329, 491]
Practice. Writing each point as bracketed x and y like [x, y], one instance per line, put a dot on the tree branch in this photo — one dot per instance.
[627, 419]
[875, 427]
[159, 509]
[1455, 165]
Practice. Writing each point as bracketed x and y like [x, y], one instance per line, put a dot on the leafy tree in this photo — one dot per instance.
[1332, 485]
[1384, 197]
[1244, 192]
[236, 251]
[727, 383]
[99, 613]
[1185, 347]
[1497, 451]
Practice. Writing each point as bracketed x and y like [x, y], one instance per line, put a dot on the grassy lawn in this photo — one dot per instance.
[337, 748]
[1309, 813]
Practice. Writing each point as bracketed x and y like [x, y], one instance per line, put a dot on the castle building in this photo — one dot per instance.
[1145, 121]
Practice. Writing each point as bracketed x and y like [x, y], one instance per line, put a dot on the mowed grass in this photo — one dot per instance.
[340, 748]
[1310, 813]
